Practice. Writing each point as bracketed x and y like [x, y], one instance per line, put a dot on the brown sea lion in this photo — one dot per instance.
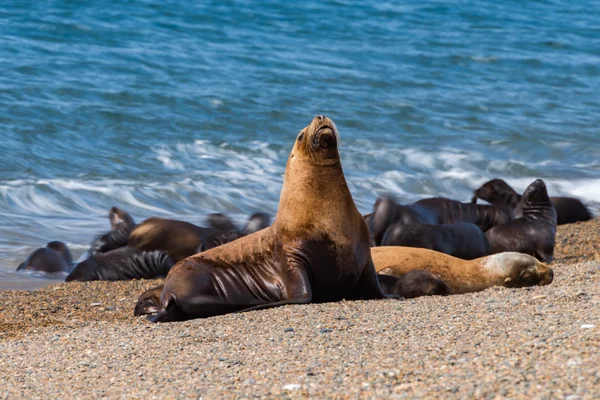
[413, 284]
[178, 238]
[53, 258]
[462, 239]
[498, 192]
[452, 211]
[386, 212]
[505, 269]
[317, 250]
[124, 263]
[121, 224]
[535, 232]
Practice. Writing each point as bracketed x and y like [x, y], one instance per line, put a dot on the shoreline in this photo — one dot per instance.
[543, 341]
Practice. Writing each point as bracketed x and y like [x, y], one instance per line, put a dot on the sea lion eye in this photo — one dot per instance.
[301, 136]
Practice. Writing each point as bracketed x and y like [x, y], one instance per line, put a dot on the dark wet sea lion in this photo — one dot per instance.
[53, 258]
[120, 264]
[317, 250]
[121, 226]
[535, 232]
[413, 284]
[498, 192]
[452, 211]
[462, 239]
[178, 238]
[464, 276]
[387, 212]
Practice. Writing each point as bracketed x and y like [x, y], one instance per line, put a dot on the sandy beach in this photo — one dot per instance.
[81, 340]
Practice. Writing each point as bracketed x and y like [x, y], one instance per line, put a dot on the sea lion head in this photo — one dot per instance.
[496, 191]
[119, 219]
[520, 270]
[318, 142]
[61, 249]
[536, 193]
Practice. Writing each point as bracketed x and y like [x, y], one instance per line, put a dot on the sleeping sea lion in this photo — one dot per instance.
[317, 250]
[505, 269]
[535, 232]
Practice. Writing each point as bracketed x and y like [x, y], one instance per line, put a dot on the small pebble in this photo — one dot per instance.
[292, 386]
[587, 326]
[326, 330]
[98, 304]
[288, 330]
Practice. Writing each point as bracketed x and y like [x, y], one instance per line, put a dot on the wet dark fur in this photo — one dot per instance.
[498, 192]
[452, 211]
[122, 264]
[414, 284]
[463, 240]
[55, 257]
[534, 233]
[387, 212]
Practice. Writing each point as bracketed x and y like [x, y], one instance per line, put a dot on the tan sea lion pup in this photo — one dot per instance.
[504, 269]
[317, 250]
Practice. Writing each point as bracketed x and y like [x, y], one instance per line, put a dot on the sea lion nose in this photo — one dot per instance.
[320, 117]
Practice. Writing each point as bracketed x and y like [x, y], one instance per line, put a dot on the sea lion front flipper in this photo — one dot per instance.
[149, 301]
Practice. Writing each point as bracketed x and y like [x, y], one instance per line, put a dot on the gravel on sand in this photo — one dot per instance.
[82, 340]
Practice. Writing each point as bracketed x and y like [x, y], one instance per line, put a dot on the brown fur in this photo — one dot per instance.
[316, 250]
[511, 269]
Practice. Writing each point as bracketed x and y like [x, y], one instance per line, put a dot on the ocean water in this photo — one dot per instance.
[182, 108]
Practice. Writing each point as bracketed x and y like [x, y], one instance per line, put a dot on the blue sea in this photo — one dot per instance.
[183, 108]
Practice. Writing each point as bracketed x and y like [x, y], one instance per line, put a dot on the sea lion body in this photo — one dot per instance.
[499, 193]
[453, 211]
[413, 284]
[124, 263]
[178, 238]
[534, 233]
[53, 258]
[121, 226]
[387, 212]
[508, 269]
[317, 249]
[462, 239]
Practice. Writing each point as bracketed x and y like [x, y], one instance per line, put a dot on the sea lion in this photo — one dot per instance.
[535, 232]
[124, 263]
[148, 302]
[53, 258]
[178, 238]
[452, 211]
[462, 239]
[121, 226]
[498, 192]
[413, 284]
[386, 211]
[505, 269]
[317, 250]
[223, 223]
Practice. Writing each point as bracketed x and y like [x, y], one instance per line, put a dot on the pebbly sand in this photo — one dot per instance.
[81, 340]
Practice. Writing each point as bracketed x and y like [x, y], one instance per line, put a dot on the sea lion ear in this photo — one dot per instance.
[301, 135]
